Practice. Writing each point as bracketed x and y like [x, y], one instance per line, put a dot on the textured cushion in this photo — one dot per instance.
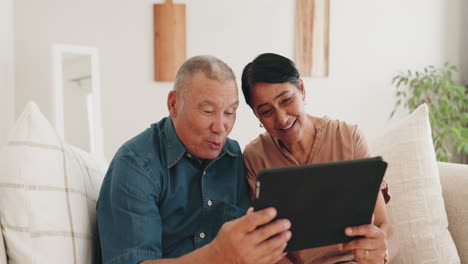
[454, 180]
[48, 195]
[417, 208]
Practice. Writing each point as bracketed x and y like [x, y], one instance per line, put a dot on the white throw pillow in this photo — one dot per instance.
[416, 209]
[47, 195]
[3, 257]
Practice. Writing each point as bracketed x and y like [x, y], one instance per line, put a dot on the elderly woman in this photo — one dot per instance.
[275, 92]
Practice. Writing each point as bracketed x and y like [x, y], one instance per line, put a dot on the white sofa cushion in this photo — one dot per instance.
[47, 195]
[454, 179]
[417, 209]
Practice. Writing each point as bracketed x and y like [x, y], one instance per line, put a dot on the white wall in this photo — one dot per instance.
[370, 42]
[7, 97]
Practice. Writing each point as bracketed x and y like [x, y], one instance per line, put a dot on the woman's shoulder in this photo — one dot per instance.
[337, 127]
[347, 138]
[341, 124]
[258, 145]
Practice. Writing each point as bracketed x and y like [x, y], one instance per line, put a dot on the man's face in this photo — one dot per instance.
[206, 116]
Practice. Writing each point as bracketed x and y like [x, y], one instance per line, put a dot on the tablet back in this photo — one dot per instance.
[321, 200]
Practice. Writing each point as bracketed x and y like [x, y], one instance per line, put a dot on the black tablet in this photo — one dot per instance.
[321, 200]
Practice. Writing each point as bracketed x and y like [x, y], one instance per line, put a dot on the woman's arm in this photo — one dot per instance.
[383, 222]
[381, 219]
[378, 237]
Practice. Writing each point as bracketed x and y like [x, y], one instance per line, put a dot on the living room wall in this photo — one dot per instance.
[370, 41]
[7, 98]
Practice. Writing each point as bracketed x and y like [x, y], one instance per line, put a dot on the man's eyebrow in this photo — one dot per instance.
[206, 102]
[276, 97]
[211, 103]
[236, 103]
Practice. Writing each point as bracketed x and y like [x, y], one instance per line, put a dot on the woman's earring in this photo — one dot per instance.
[260, 125]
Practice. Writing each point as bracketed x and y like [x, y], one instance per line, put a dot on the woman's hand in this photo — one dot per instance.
[371, 248]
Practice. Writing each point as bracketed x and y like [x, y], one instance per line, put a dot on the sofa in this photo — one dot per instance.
[48, 193]
[454, 180]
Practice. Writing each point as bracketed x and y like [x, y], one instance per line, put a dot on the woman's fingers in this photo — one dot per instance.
[365, 256]
[364, 243]
[370, 231]
[372, 238]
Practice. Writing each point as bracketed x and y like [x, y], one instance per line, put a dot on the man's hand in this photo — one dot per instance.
[252, 238]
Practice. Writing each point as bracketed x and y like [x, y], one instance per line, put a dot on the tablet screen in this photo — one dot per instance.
[321, 200]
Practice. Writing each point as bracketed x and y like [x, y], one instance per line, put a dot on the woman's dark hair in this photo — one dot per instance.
[268, 68]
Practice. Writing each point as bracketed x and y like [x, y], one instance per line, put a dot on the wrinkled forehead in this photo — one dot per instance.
[202, 88]
[201, 76]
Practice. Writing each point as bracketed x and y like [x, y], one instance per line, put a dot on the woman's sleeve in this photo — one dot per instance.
[362, 151]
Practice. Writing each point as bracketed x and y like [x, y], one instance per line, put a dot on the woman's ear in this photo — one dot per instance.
[301, 87]
[172, 101]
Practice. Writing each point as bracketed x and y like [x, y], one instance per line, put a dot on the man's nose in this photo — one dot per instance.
[218, 126]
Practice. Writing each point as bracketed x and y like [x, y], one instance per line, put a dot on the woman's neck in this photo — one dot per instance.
[302, 149]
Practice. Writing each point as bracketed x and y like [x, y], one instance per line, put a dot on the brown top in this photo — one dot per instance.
[334, 141]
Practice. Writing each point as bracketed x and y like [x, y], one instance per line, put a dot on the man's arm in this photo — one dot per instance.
[131, 232]
[249, 239]
[129, 222]
[251, 179]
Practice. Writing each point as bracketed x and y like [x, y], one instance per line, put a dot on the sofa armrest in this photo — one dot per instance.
[454, 180]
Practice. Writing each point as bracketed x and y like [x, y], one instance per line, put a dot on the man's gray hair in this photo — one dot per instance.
[212, 67]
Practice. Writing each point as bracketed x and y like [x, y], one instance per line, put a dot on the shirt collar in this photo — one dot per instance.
[176, 149]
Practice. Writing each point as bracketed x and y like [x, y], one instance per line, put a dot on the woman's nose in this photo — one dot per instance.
[282, 117]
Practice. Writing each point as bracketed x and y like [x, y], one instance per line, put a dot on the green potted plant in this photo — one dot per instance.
[447, 102]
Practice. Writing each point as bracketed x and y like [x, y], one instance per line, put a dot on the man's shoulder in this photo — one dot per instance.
[145, 143]
[233, 147]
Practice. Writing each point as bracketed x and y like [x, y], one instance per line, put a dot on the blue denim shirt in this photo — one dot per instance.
[160, 201]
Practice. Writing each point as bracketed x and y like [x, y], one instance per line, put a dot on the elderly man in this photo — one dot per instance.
[176, 193]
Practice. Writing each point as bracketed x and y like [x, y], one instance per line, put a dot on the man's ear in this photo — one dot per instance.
[172, 103]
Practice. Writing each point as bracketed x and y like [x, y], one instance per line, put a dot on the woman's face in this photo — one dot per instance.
[280, 109]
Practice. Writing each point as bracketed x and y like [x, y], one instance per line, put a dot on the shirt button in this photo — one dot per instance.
[202, 235]
[189, 155]
[204, 172]
[210, 202]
